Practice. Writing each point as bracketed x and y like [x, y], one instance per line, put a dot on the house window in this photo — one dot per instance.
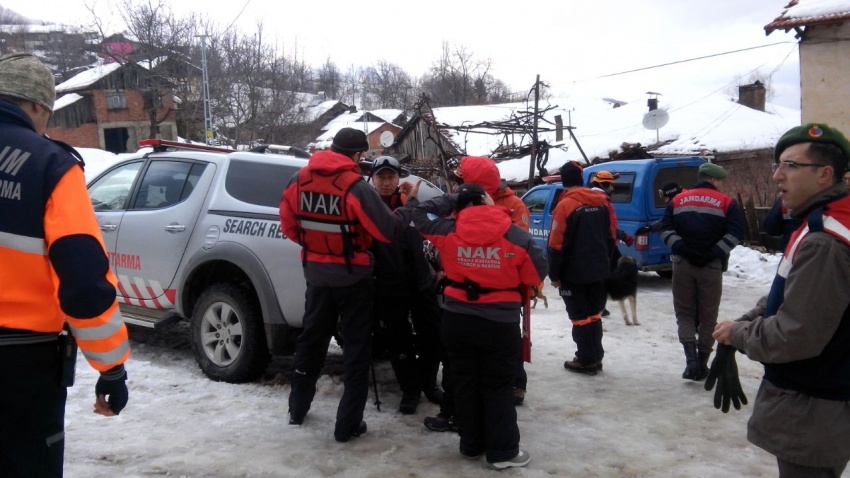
[115, 100]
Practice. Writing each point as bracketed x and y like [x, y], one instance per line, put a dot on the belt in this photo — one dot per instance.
[25, 337]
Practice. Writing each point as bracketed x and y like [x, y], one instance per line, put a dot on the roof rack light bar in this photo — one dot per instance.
[160, 145]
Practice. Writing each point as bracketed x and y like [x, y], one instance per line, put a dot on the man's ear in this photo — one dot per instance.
[826, 175]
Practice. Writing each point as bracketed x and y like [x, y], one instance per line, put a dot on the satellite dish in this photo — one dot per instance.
[655, 119]
[387, 139]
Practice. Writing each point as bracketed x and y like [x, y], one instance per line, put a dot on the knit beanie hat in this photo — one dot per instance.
[25, 77]
[480, 170]
[349, 141]
[469, 194]
[670, 190]
[572, 174]
[812, 133]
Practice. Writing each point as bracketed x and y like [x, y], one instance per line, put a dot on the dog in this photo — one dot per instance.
[537, 293]
[622, 285]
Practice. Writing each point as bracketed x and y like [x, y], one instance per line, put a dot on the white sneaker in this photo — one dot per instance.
[521, 459]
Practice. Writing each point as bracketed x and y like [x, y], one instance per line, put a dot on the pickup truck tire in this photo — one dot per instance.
[227, 335]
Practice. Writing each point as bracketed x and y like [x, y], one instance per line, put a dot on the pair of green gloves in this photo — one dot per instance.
[724, 373]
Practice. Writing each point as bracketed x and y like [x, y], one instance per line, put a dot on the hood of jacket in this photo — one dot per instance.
[328, 162]
[478, 225]
[587, 196]
[481, 171]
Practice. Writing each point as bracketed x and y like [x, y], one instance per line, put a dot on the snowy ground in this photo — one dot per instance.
[636, 419]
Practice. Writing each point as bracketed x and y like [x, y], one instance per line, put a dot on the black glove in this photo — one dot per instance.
[724, 372]
[113, 384]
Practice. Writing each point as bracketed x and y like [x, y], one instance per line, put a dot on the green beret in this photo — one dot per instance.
[812, 133]
[713, 170]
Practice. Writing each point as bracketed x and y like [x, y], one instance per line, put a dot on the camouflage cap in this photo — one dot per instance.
[25, 77]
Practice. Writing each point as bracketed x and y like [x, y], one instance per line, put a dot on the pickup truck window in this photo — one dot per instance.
[685, 176]
[163, 184]
[623, 187]
[110, 192]
[536, 201]
[258, 183]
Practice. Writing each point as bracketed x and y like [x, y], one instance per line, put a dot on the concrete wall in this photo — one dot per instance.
[825, 75]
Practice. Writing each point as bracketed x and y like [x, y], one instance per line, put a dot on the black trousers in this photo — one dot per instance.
[32, 411]
[584, 303]
[351, 307]
[483, 354]
[409, 326]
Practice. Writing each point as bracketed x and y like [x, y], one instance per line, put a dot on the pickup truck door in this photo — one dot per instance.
[110, 194]
[156, 229]
[540, 203]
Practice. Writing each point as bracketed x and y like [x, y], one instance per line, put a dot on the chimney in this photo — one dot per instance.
[352, 109]
[752, 96]
[652, 103]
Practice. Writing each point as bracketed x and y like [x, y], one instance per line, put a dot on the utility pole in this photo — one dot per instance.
[208, 133]
[533, 159]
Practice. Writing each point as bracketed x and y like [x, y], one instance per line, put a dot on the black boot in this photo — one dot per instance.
[703, 365]
[692, 361]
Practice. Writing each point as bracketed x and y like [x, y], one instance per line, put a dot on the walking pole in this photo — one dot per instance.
[375, 385]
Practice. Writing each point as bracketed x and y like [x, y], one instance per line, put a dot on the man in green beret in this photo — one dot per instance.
[801, 330]
[701, 227]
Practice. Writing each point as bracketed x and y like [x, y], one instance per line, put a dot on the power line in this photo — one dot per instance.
[237, 16]
[688, 60]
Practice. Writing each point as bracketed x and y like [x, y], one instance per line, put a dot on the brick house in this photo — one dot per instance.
[112, 107]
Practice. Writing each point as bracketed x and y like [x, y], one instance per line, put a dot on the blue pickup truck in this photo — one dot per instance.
[637, 203]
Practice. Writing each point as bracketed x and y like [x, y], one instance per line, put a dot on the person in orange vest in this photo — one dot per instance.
[487, 260]
[334, 215]
[483, 171]
[54, 275]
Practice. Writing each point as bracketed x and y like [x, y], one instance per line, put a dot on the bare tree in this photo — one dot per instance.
[329, 79]
[457, 78]
[387, 85]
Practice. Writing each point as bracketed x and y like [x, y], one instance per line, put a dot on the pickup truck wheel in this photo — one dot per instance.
[227, 335]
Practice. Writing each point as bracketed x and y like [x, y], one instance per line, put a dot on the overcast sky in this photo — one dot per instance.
[570, 43]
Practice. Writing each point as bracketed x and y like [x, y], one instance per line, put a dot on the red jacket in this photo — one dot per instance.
[325, 198]
[508, 199]
[483, 247]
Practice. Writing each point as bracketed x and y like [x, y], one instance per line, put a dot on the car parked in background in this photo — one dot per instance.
[636, 199]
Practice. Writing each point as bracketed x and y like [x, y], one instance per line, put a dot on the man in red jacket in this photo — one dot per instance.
[335, 215]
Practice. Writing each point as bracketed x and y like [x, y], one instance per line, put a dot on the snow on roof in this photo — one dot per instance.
[65, 101]
[810, 12]
[86, 78]
[325, 139]
[712, 124]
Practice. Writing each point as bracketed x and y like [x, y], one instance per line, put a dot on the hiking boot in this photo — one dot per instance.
[702, 371]
[342, 438]
[296, 420]
[521, 459]
[409, 402]
[519, 396]
[434, 395]
[691, 361]
[471, 454]
[605, 313]
[578, 367]
[440, 424]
